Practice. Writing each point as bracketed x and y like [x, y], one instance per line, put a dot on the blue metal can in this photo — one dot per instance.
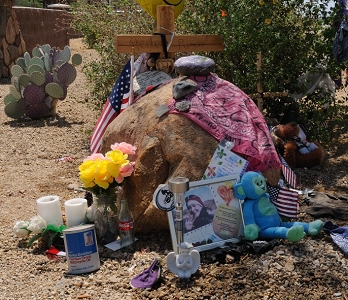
[81, 249]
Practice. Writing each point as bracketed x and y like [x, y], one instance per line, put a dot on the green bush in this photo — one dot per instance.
[293, 36]
[29, 3]
[99, 23]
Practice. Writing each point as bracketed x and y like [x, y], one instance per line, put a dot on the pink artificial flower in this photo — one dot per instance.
[119, 178]
[124, 147]
[125, 171]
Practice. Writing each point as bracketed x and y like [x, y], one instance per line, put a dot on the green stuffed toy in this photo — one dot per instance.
[261, 218]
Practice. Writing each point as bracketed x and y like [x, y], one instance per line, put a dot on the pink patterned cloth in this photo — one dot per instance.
[225, 111]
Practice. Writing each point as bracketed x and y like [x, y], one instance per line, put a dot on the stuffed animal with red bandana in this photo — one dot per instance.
[291, 142]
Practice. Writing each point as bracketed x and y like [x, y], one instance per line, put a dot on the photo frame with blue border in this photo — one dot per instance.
[217, 195]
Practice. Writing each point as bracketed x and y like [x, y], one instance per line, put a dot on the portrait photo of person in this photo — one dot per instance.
[198, 214]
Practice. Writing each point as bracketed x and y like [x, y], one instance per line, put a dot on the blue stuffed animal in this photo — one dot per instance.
[261, 218]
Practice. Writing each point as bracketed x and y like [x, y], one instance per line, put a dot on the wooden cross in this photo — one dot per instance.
[128, 43]
[260, 95]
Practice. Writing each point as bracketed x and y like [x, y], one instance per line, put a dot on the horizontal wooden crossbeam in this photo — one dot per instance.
[268, 95]
[181, 43]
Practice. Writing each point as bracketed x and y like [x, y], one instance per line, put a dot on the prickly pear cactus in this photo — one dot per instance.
[40, 81]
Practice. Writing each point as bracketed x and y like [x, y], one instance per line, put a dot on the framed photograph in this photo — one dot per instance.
[212, 215]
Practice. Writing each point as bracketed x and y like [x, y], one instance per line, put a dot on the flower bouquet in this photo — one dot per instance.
[103, 176]
[48, 234]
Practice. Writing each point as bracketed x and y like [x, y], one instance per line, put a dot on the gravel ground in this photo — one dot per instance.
[313, 268]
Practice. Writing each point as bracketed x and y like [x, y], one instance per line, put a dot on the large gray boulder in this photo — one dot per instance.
[168, 146]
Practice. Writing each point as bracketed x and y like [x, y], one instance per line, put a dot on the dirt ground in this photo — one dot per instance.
[32, 165]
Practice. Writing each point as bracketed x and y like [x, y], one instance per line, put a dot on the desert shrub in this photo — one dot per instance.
[99, 23]
[293, 36]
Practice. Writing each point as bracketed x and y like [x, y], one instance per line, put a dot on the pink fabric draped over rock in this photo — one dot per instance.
[224, 110]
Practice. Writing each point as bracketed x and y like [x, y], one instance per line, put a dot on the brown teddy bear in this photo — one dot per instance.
[291, 142]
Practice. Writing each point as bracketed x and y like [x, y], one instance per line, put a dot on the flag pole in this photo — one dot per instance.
[131, 78]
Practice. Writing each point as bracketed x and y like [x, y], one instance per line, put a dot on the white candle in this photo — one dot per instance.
[75, 211]
[48, 208]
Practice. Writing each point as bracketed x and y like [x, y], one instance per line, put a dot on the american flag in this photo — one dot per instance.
[285, 200]
[119, 99]
[288, 174]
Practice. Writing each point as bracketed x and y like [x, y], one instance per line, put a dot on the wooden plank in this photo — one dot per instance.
[181, 43]
[259, 84]
[165, 19]
[165, 22]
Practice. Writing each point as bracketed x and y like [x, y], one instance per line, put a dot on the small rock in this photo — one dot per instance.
[289, 266]
[73, 186]
[42, 155]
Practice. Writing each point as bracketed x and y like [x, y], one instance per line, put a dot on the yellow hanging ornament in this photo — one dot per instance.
[150, 6]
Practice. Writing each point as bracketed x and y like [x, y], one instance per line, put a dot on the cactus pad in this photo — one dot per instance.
[56, 55]
[46, 48]
[66, 74]
[37, 78]
[37, 61]
[34, 94]
[15, 83]
[27, 59]
[76, 59]
[13, 111]
[34, 68]
[16, 70]
[24, 80]
[59, 63]
[48, 78]
[66, 54]
[9, 98]
[54, 90]
[48, 62]
[65, 90]
[21, 62]
[37, 52]
[15, 93]
[22, 104]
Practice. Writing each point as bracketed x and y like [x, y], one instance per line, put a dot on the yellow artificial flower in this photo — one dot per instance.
[261, 2]
[274, 1]
[102, 174]
[117, 160]
[87, 170]
[117, 157]
[268, 21]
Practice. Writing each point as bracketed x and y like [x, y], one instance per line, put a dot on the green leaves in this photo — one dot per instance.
[49, 235]
[294, 36]
[33, 239]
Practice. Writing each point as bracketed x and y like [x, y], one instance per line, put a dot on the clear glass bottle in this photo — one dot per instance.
[126, 227]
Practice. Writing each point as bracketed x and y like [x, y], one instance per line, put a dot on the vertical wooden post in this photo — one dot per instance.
[259, 84]
[165, 21]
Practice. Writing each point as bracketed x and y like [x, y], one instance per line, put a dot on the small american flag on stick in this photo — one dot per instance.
[289, 174]
[120, 98]
[285, 200]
